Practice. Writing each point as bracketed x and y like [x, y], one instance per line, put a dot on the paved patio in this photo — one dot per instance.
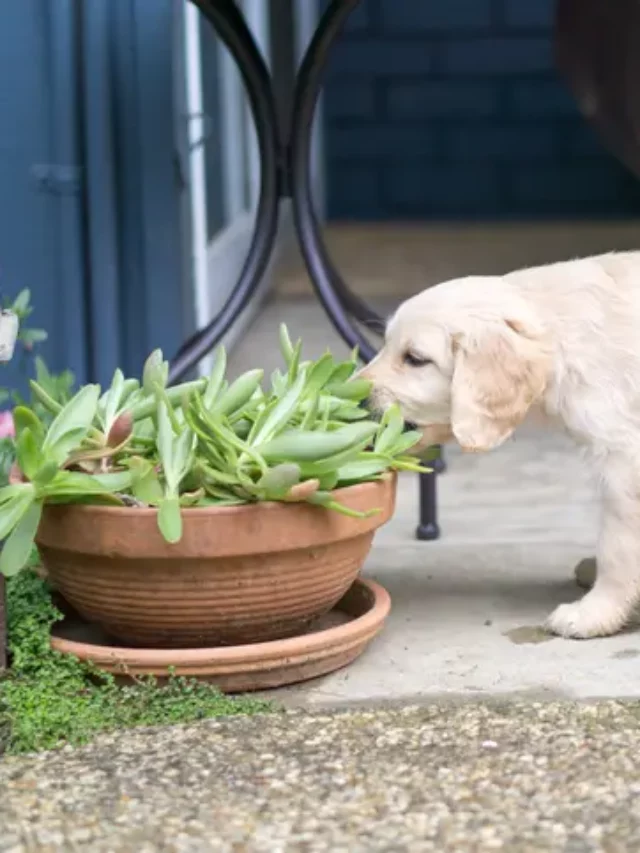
[455, 734]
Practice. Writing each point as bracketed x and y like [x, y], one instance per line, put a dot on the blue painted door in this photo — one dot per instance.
[40, 199]
[91, 195]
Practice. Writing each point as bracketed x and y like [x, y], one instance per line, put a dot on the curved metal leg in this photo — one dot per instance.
[335, 296]
[232, 29]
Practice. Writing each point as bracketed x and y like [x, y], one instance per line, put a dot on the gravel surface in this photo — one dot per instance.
[519, 776]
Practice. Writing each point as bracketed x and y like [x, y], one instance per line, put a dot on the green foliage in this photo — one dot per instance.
[58, 386]
[48, 699]
[202, 443]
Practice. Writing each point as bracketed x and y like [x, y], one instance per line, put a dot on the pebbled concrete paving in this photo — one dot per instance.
[523, 778]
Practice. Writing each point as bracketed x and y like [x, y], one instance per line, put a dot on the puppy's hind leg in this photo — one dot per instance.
[585, 572]
[610, 604]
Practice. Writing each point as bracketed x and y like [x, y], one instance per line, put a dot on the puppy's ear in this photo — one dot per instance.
[499, 373]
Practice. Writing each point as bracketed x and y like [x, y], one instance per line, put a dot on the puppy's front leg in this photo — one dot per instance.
[616, 587]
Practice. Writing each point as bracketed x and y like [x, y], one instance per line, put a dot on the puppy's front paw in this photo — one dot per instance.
[593, 616]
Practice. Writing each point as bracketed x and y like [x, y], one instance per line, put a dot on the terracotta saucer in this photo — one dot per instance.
[331, 643]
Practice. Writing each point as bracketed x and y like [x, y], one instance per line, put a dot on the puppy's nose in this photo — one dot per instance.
[410, 426]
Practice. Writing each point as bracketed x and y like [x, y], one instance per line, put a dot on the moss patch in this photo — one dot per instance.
[48, 700]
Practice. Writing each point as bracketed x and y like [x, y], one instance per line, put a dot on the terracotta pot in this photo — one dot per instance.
[335, 641]
[239, 574]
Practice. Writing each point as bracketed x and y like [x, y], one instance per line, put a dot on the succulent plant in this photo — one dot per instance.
[207, 442]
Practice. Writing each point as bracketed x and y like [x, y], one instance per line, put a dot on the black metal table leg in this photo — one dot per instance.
[331, 289]
[233, 31]
[428, 528]
[286, 171]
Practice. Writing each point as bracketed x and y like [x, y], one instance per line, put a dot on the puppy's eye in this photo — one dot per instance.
[412, 359]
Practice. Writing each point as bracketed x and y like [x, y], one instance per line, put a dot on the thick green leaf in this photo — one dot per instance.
[12, 510]
[320, 373]
[326, 500]
[278, 383]
[391, 427]
[279, 480]
[93, 500]
[216, 377]
[64, 448]
[294, 364]
[182, 450]
[286, 346]
[302, 446]
[43, 376]
[46, 473]
[231, 500]
[76, 417]
[22, 301]
[217, 476]
[404, 443]
[242, 428]
[361, 470]
[164, 440]
[77, 483]
[44, 398]
[129, 388]
[144, 406]
[8, 493]
[344, 371]
[191, 498]
[281, 413]
[350, 413]
[155, 372]
[112, 399]
[29, 454]
[239, 392]
[354, 389]
[311, 414]
[170, 519]
[33, 336]
[113, 481]
[333, 463]
[17, 548]
[328, 482]
[146, 486]
[24, 418]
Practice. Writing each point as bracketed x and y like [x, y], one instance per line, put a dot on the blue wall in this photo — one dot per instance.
[41, 219]
[453, 109]
[89, 87]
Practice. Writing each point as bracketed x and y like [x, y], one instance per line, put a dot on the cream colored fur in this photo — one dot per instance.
[564, 337]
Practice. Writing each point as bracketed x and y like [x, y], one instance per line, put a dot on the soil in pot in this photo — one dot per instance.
[239, 575]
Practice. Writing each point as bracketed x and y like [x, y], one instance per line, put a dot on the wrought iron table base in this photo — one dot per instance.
[286, 173]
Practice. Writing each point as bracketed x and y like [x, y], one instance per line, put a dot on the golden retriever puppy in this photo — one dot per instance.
[467, 360]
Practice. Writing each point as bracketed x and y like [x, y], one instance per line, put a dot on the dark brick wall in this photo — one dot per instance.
[454, 109]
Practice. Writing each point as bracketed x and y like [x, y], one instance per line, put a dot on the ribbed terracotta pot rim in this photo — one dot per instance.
[360, 628]
[249, 529]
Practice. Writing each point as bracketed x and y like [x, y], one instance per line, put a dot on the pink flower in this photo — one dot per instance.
[7, 428]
